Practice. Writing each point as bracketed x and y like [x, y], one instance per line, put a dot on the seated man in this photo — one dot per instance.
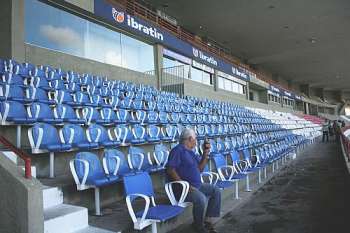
[184, 164]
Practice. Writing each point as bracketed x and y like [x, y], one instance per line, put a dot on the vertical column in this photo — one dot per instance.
[158, 64]
[247, 90]
[216, 81]
[12, 28]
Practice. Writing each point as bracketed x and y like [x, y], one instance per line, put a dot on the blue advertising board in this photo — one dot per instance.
[140, 27]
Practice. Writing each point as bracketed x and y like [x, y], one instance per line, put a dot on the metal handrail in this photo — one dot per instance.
[20, 153]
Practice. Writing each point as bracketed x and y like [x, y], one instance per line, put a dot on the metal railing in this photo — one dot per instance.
[172, 79]
[20, 153]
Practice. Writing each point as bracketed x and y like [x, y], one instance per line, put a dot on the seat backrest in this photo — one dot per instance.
[95, 168]
[40, 110]
[138, 132]
[246, 154]
[219, 161]
[73, 134]
[63, 111]
[112, 163]
[235, 156]
[122, 133]
[138, 158]
[42, 134]
[139, 183]
[153, 131]
[12, 109]
[97, 133]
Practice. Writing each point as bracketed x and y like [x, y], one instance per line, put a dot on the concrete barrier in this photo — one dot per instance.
[21, 200]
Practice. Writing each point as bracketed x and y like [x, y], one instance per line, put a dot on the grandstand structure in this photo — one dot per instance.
[95, 94]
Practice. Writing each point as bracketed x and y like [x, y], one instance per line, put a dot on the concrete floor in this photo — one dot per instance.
[311, 194]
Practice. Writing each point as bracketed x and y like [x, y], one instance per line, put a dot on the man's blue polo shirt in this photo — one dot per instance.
[185, 162]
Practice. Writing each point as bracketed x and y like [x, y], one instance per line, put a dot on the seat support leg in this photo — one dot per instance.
[236, 190]
[18, 136]
[154, 227]
[52, 164]
[259, 179]
[247, 184]
[273, 167]
[97, 202]
[265, 172]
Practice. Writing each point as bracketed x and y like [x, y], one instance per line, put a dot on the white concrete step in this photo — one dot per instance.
[52, 196]
[65, 218]
[10, 155]
[94, 230]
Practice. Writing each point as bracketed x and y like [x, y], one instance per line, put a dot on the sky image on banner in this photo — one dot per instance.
[140, 27]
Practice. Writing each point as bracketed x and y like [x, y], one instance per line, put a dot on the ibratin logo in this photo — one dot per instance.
[118, 16]
[195, 52]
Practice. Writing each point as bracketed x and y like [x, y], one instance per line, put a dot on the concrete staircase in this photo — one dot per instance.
[59, 217]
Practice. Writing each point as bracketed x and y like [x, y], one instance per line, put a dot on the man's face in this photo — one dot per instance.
[192, 142]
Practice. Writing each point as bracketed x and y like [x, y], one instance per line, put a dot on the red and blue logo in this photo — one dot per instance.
[118, 16]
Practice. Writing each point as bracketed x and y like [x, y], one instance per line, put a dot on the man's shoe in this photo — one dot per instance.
[199, 229]
[210, 228]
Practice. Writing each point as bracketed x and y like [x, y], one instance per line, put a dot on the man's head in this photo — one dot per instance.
[188, 138]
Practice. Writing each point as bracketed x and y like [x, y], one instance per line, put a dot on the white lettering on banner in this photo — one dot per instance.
[199, 54]
[288, 94]
[235, 71]
[275, 89]
[118, 16]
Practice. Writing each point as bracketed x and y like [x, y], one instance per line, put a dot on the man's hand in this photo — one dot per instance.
[206, 148]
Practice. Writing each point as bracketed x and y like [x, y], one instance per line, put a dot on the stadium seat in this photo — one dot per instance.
[88, 173]
[98, 134]
[140, 186]
[44, 138]
[75, 136]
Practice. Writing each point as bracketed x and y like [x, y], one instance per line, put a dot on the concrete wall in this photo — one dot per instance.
[87, 5]
[42, 56]
[21, 201]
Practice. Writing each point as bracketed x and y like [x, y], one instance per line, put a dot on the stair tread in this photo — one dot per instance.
[91, 229]
[61, 210]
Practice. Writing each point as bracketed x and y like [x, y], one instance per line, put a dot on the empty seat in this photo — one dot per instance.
[39, 95]
[123, 134]
[13, 112]
[67, 114]
[14, 93]
[98, 134]
[140, 186]
[75, 136]
[43, 113]
[138, 134]
[88, 173]
[153, 134]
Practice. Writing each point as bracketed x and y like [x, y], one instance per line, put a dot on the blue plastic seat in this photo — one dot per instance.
[75, 136]
[163, 117]
[12, 112]
[83, 99]
[92, 115]
[123, 134]
[97, 133]
[123, 116]
[12, 79]
[43, 113]
[126, 103]
[115, 162]
[14, 93]
[88, 173]
[39, 95]
[64, 97]
[58, 84]
[138, 134]
[109, 116]
[67, 114]
[169, 133]
[138, 117]
[152, 117]
[139, 160]
[140, 186]
[42, 83]
[44, 137]
[153, 134]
